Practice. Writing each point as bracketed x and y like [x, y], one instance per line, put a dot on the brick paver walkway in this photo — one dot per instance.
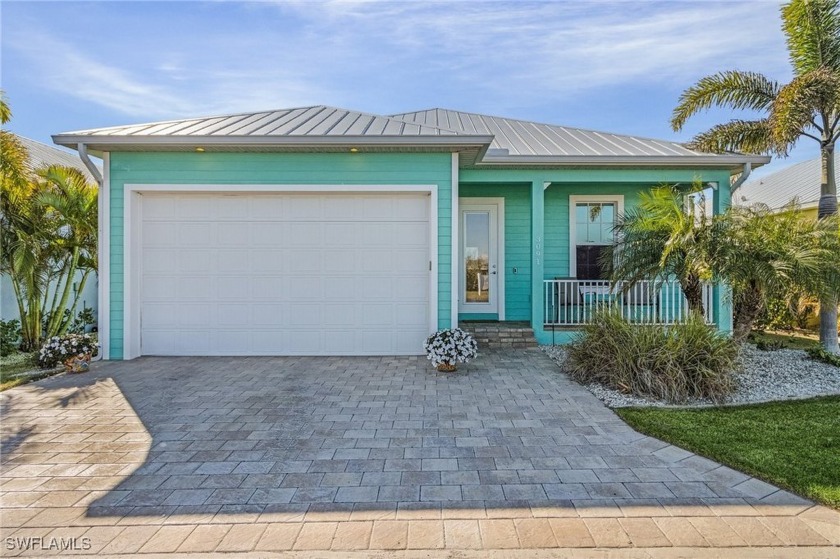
[271, 454]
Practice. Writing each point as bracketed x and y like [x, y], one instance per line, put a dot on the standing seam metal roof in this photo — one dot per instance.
[303, 121]
[43, 155]
[801, 181]
[520, 137]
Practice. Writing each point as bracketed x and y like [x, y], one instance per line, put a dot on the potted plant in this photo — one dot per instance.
[447, 347]
[74, 351]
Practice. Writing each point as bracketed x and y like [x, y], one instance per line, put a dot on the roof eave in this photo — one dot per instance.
[106, 142]
[734, 162]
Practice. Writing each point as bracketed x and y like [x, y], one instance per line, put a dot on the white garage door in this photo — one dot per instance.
[290, 274]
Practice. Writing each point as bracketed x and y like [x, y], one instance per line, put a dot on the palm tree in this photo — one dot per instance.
[662, 236]
[806, 107]
[70, 203]
[762, 253]
[48, 222]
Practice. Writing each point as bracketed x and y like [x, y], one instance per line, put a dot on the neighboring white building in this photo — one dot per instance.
[43, 155]
[800, 181]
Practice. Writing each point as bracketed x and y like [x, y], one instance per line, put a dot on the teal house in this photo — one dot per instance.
[324, 231]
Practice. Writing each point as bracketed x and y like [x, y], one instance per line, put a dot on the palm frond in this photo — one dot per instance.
[812, 30]
[733, 89]
[806, 98]
[750, 136]
[5, 109]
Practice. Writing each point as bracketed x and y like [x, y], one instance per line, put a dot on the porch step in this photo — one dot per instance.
[501, 335]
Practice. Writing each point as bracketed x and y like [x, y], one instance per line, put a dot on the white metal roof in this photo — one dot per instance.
[43, 155]
[524, 138]
[315, 121]
[482, 140]
[801, 181]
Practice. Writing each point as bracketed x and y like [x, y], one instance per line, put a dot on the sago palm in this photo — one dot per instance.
[662, 237]
[806, 107]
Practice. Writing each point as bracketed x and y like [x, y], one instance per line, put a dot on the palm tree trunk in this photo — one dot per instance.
[68, 320]
[57, 312]
[749, 305]
[828, 207]
[693, 290]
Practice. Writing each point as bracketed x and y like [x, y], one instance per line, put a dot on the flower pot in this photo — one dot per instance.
[447, 367]
[77, 364]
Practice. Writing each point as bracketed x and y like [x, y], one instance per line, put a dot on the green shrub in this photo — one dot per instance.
[672, 363]
[9, 336]
[818, 353]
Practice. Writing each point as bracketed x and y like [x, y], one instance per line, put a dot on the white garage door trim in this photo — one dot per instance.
[132, 235]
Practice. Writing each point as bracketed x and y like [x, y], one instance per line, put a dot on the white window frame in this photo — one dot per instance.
[574, 200]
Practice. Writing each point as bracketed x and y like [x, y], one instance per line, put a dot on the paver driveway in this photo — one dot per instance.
[240, 454]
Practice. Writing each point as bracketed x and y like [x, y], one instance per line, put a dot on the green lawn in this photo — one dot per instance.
[797, 339]
[794, 445]
[12, 367]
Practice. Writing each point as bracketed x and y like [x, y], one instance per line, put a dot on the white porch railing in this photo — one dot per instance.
[572, 302]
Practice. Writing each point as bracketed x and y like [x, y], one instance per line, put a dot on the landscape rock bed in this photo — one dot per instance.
[784, 374]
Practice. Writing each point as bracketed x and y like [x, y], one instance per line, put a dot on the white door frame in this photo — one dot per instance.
[464, 205]
[133, 234]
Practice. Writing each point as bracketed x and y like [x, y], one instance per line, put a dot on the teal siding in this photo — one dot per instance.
[517, 243]
[275, 168]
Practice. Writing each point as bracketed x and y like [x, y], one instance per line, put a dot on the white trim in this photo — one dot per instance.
[132, 227]
[573, 200]
[456, 212]
[500, 246]
[103, 322]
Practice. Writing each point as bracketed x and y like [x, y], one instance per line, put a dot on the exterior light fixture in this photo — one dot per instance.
[354, 150]
[199, 150]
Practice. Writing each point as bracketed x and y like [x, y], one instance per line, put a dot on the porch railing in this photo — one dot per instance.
[573, 302]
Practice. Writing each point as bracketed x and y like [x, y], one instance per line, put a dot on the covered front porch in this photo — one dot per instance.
[526, 245]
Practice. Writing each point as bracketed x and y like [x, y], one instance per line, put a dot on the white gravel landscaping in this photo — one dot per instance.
[783, 374]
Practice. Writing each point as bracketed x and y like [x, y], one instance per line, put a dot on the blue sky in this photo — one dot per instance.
[613, 66]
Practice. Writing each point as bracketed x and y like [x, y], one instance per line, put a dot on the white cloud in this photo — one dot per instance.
[378, 55]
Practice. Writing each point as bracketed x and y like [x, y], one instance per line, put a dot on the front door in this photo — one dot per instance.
[481, 277]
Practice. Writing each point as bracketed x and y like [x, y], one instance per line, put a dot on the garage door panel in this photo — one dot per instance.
[158, 287]
[302, 208]
[159, 260]
[412, 234]
[199, 208]
[267, 234]
[232, 207]
[339, 261]
[159, 235]
[197, 261]
[340, 314]
[194, 287]
[284, 274]
[159, 207]
[268, 207]
[231, 316]
[233, 234]
[305, 288]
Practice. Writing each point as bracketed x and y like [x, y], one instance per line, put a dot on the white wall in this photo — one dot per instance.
[9, 307]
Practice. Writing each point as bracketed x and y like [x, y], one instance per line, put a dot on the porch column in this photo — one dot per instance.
[537, 256]
[722, 294]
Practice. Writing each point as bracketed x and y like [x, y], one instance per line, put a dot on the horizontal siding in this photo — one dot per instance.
[517, 242]
[275, 168]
